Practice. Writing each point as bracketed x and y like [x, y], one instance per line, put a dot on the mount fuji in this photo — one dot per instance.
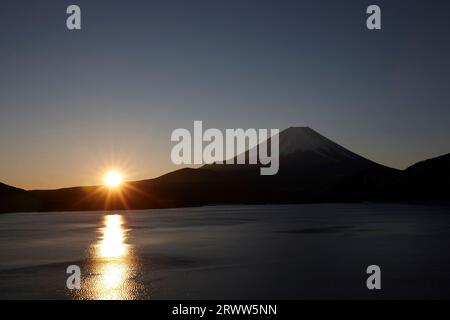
[312, 168]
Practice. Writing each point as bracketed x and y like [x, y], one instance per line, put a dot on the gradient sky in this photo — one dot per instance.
[73, 103]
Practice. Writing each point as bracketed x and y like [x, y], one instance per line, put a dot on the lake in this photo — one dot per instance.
[229, 252]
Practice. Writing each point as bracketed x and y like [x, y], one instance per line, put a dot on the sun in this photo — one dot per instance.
[113, 179]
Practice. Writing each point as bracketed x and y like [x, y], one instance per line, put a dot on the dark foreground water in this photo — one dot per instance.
[239, 252]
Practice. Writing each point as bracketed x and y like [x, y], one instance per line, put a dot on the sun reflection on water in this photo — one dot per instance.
[112, 268]
[112, 243]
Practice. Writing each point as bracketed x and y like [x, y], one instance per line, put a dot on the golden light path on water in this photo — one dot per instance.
[112, 243]
[112, 268]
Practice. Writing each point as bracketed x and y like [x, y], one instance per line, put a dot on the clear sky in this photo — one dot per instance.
[73, 103]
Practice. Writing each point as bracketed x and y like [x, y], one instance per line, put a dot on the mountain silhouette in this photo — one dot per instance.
[312, 169]
[306, 154]
[427, 181]
[15, 199]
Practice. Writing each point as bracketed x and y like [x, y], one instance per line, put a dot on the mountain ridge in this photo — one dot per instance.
[313, 168]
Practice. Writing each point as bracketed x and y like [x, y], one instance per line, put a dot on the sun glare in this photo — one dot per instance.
[113, 179]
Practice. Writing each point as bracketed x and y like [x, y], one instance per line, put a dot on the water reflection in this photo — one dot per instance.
[112, 243]
[112, 267]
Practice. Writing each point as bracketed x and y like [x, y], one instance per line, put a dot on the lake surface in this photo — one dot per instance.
[228, 252]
